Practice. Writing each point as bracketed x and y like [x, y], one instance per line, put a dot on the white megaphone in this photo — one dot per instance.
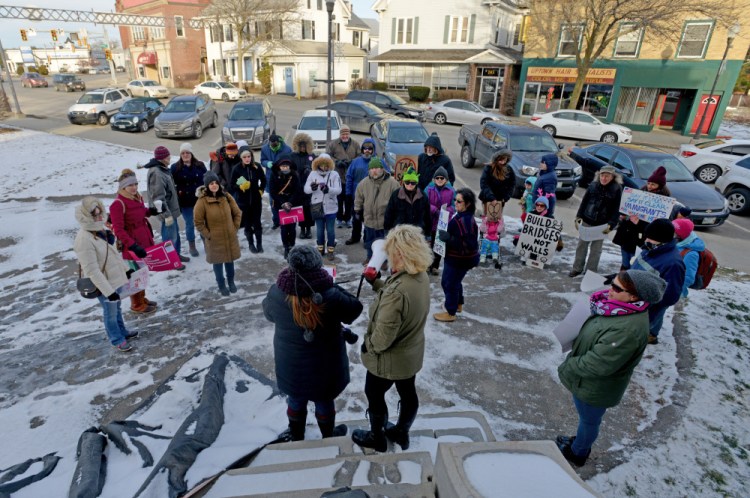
[376, 261]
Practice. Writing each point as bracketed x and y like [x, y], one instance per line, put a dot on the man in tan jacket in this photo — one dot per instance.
[371, 200]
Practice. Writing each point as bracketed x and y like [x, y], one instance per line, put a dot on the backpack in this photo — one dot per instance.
[707, 264]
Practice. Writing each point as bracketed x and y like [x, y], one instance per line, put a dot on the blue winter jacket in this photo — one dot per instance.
[546, 185]
[664, 259]
[691, 258]
[358, 170]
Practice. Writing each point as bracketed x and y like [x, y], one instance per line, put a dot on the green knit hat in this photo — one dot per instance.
[410, 175]
[375, 162]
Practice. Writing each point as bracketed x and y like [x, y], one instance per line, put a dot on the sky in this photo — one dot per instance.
[10, 28]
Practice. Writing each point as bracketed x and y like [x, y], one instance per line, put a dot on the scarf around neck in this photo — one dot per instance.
[601, 305]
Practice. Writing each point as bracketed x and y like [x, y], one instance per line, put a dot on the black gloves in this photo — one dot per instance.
[443, 235]
[349, 336]
[128, 273]
[324, 189]
[314, 186]
[152, 211]
[138, 250]
[113, 297]
[363, 348]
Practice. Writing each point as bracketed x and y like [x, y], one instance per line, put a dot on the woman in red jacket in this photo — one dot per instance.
[128, 216]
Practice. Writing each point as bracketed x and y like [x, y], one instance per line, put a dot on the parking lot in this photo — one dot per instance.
[45, 110]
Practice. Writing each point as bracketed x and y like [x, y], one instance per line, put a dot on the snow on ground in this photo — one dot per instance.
[690, 436]
[734, 130]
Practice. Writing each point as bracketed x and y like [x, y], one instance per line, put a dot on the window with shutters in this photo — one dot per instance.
[694, 39]
[217, 33]
[228, 33]
[308, 30]
[404, 31]
[459, 27]
[628, 40]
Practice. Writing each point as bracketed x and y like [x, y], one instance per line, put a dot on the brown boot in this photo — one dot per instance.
[444, 317]
[138, 303]
[330, 253]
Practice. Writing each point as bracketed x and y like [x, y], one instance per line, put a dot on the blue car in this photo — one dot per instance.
[398, 137]
[137, 114]
[637, 162]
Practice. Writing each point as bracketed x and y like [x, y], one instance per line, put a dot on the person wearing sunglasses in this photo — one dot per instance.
[409, 205]
[358, 171]
[609, 346]
[343, 150]
[440, 193]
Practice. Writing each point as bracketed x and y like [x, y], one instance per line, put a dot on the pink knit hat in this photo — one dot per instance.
[683, 228]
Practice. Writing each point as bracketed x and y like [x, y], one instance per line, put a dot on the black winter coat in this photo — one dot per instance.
[285, 188]
[492, 189]
[428, 165]
[257, 178]
[462, 247]
[601, 204]
[187, 179]
[317, 370]
[401, 210]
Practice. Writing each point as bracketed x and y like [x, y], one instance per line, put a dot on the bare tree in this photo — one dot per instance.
[253, 22]
[592, 26]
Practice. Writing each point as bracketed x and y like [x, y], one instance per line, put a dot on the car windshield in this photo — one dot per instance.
[180, 106]
[149, 83]
[317, 123]
[34, 75]
[407, 134]
[396, 98]
[133, 106]
[532, 142]
[246, 113]
[224, 84]
[370, 109]
[91, 98]
[676, 171]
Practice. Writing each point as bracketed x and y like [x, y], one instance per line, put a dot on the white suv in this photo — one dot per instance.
[97, 106]
[735, 186]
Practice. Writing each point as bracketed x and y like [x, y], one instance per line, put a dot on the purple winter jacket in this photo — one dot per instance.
[438, 197]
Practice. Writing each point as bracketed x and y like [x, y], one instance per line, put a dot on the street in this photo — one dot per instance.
[45, 110]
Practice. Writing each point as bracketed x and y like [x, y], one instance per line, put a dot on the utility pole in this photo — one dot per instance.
[111, 62]
[18, 112]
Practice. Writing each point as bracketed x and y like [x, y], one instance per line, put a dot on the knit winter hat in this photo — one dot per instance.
[649, 286]
[126, 178]
[375, 163]
[246, 152]
[186, 147]
[231, 147]
[304, 258]
[659, 176]
[161, 153]
[210, 177]
[683, 228]
[440, 172]
[550, 160]
[660, 230]
[274, 138]
[345, 128]
[542, 200]
[410, 176]
[241, 144]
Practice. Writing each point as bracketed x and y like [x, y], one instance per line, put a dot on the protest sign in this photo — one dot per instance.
[592, 282]
[439, 246]
[645, 205]
[137, 282]
[590, 234]
[538, 240]
[295, 215]
[567, 330]
[331, 269]
[161, 257]
[403, 163]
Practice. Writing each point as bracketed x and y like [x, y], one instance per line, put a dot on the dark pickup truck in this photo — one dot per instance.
[528, 144]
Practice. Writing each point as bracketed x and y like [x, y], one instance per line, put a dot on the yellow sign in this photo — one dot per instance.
[569, 75]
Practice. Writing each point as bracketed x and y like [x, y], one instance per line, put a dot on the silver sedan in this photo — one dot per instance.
[461, 112]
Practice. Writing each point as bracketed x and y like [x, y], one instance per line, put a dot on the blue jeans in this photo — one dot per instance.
[656, 320]
[114, 325]
[323, 225]
[296, 407]
[627, 257]
[452, 286]
[371, 235]
[589, 420]
[187, 214]
[171, 233]
[228, 267]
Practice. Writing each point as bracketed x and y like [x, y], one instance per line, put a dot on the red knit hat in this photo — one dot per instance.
[161, 153]
[683, 228]
[659, 176]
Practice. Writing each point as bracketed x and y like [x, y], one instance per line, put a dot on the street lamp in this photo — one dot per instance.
[329, 8]
[731, 35]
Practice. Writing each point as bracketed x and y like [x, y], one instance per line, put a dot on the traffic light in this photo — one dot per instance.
[108, 54]
[53, 33]
[23, 35]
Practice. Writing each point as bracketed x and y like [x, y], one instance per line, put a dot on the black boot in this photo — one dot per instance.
[250, 241]
[564, 443]
[286, 252]
[223, 287]
[328, 427]
[296, 430]
[259, 239]
[375, 437]
[399, 433]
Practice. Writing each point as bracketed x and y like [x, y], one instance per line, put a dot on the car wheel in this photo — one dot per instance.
[197, 130]
[215, 121]
[550, 129]
[102, 119]
[144, 126]
[739, 200]
[401, 115]
[708, 173]
[609, 138]
[225, 97]
[467, 160]
[440, 118]
[485, 121]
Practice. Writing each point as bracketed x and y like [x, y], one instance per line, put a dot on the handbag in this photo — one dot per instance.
[85, 285]
[316, 208]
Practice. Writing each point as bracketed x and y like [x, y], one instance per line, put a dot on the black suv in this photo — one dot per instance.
[388, 102]
[68, 83]
[250, 120]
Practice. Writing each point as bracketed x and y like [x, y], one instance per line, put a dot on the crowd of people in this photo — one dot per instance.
[348, 187]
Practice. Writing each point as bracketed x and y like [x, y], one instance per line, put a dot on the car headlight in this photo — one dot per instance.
[413, 113]
[259, 130]
[187, 123]
[529, 170]
[625, 132]
[577, 170]
[225, 131]
[112, 119]
[726, 204]
[391, 156]
[92, 110]
[135, 120]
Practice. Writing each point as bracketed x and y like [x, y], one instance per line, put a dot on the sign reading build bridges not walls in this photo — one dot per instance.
[538, 240]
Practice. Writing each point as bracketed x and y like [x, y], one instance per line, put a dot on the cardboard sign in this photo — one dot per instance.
[161, 257]
[567, 330]
[138, 281]
[295, 215]
[403, 163]
[645, 205]
[538, 240]
[439, 246]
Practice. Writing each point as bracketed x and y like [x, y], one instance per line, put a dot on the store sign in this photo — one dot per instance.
[569, 75]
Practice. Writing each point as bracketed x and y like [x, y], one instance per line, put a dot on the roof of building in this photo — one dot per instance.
[479, 55]
[357, 23]
[374, 25]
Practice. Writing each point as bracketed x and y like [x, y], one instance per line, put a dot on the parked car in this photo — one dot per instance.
[99, 70]
[137, 114]
[460, 111]
[147, 88]
[637, 162]
[708, 160]
[581, 124]
[315, 124]
[219, 90]
[96, 106]
[398, 137]
[33, 80]
[186, 116]
[388, 102]
[250, 120]
[528, 144]
[68, 83]
[120, 69]
[358, 115]
[735, 185]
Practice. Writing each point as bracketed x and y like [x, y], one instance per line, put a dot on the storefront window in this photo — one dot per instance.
[636, 105]
[541, 98]
[402, 76]
[450, 76]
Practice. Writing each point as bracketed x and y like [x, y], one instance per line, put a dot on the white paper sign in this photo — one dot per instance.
[592, 282]
[567, 330]
[589, 234]
[439, 246]
[138, 282]
[538, 240]
[645, 205]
